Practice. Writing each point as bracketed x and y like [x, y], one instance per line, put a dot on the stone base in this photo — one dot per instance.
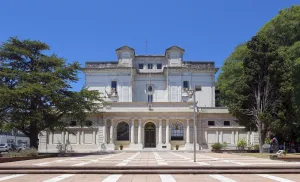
[110, 146]
[190, 146]
[165, 146]
[137, 146]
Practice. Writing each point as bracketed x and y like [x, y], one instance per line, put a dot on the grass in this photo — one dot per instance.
[267, 155]
[30, 152]
[259, 155]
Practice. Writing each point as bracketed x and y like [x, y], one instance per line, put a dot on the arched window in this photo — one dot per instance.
[123, 131]
[177, 131]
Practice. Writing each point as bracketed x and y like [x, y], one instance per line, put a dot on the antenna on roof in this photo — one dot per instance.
[146, 46]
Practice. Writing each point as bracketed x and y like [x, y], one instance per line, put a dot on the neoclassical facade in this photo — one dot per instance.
[150, 107]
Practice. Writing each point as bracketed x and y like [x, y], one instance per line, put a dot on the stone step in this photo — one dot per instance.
[120, 168]
[210, 171]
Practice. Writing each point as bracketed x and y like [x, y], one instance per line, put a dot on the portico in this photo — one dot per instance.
[161, 134]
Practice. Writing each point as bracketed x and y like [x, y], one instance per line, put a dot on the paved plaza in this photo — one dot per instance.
[152, 159]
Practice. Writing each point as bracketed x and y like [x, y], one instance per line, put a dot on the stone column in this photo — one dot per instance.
[187, 131]
[232, 137]
[94, 137]
[104, 131]
[67, 137]
[206, 136]
[132, 132]
[236, 137]
[160, 132]
[140, 132]
[50, 137]
[78, 138]
[82, 137]
[111, 133]
[248, 138]
[217, 136]
[167, 132]
[221, 137]
[62, 137]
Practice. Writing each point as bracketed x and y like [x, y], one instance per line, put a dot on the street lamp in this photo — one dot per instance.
[192, 93]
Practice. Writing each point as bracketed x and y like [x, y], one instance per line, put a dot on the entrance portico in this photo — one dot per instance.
[161, 134]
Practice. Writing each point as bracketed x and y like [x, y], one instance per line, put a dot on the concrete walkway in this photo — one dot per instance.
[151, 166]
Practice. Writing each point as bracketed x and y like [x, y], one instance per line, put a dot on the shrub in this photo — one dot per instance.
[30, 152]
[267, 141]
[241, 144]
[13, 154]
[224, 145]
[217, 146]
[256, 147]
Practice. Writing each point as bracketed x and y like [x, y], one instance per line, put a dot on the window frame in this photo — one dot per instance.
[71, 123]
[188, 84]
[229, 123]
[116, 85]
[214, 123]
[141, 65]
[89, 123]
[150, 65]
[159, 65]
[177, 134]
[125, 132]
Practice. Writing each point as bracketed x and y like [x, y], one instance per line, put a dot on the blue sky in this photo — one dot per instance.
[91, 30]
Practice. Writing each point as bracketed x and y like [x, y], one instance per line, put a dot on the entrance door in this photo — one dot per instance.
[150, 135]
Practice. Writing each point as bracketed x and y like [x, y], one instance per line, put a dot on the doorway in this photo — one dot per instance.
[150, 135]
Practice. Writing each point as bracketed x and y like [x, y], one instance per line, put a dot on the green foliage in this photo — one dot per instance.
[241, 144]
[217, 146]
[35, 89]
[256, 147]
[29, 152]
[224, 145]
[269, 62]
[267, 140]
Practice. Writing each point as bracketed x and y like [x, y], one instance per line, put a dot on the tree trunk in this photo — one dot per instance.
[34, 139]
[260, 137]
[33, 134]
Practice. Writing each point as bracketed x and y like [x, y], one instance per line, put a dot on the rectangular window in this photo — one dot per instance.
[72, 123]
[114, 85]
[141, 66]
[185, 84]
[226, 123]
[159, 66]
[150, 66]
[211, 123]
[150, 98]
[198, 88]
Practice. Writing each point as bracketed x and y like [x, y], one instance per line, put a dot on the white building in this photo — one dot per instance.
[16, 138]
[150, 106]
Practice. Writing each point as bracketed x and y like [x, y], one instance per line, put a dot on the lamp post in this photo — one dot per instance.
[192, 93]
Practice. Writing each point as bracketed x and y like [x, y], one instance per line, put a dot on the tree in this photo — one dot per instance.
[283, 33]
[35, 90]
[265, 72]
[232, 85]
[284, 30]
